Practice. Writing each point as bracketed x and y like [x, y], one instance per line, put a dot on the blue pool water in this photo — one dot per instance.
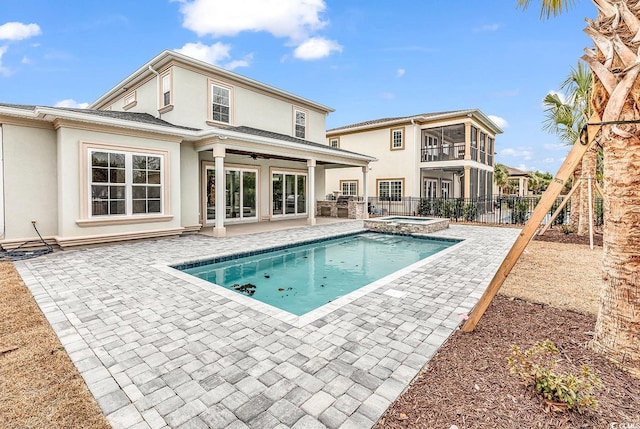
[302, 278]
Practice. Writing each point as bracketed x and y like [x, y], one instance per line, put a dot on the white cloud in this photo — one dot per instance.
[316, 48]
[294, 19]
[26, 60]
[18, 31]
[522, 153]
[525, 167]
[214, 54]
[387, 95]
[555, 146]
[487, 27]
[400, 72]
[501, 122]
[69, 102]
[549, 160]
[3, 70]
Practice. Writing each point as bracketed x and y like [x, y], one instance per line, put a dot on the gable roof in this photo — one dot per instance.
[147, 122]
[422, 117]
[165, 57]
[511, 171]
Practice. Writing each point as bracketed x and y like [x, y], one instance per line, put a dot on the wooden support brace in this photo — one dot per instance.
[546, 202]
[560, 207]
[599, 189]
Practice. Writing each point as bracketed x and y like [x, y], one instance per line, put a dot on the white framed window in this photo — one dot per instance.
[125, 183]
[300, 121]
[220, 103]
[390, 189]
[166, 89]
[397, 141]
[430, 188]
[445, 189]
[349, 187]
[334, 143]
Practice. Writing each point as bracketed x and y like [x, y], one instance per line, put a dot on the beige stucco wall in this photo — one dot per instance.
[249, 107]
[392, 164]
[30, 191]
[70, 189]
[189, 185]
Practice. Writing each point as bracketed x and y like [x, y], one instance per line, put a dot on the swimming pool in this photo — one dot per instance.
[301, 278]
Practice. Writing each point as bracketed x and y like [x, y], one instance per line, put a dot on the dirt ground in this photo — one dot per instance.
[552, 293]
[466, 384]
[39, 386]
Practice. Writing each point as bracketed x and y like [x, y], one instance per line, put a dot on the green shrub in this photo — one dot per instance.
[536, 367]
[470, 211]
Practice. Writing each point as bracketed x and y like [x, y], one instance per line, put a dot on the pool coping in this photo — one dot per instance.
[318, 313]
[156, 351]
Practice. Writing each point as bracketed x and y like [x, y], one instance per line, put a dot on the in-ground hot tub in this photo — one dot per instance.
[406, 224]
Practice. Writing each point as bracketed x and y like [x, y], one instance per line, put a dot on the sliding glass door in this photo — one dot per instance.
[288, 193]
[240, 193]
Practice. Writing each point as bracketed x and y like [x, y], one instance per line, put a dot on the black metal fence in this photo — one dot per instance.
[503, 209]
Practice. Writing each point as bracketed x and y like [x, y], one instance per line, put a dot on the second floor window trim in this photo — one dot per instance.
[334, 142]
[300, 123]
[220, 103]
[397, 139]
[166, 96]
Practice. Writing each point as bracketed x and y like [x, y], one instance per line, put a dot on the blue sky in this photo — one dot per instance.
[366, 59]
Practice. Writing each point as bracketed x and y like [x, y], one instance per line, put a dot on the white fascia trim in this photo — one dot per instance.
[49, 114]
[224, 134]
[166, 55]
[470, 112]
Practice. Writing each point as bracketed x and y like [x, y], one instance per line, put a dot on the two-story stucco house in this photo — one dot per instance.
[177, 146]
[432, 155]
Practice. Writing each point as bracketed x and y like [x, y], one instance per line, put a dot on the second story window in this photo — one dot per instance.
[334, 143]
[166, 89]
[220, 103]
[300, 123]
[397, 142]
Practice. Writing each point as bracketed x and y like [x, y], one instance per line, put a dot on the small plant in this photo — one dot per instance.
[567, 229]
[536, 367]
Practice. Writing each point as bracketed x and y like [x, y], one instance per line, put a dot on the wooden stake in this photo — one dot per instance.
[590, 215]
[546, 202]
[599, 189]
[560, 207]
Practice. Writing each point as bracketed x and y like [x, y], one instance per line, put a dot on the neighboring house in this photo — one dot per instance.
[518, 182]
[177, 146]
[432, 155]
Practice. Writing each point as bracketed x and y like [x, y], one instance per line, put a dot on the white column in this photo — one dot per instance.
[365, 191]
[221, 211]
[311, 194]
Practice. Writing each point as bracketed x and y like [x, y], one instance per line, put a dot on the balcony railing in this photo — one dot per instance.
[445, 152]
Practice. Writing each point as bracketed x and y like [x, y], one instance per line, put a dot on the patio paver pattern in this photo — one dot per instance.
[157, 351]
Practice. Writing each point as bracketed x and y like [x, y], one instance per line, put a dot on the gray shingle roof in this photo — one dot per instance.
[143, 118]
[398, 118]
[278, 136]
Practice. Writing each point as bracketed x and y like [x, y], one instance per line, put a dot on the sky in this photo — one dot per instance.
[366, 59]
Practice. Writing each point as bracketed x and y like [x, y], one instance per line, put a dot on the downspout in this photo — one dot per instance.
[2, 217]
[158, 90]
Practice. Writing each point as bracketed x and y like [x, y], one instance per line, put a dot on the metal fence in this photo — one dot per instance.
[503, 209]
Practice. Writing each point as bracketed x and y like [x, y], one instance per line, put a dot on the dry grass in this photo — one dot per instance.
[562, 275]
[39, 385]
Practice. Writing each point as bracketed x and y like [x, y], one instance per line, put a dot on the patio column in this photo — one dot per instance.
[365, 192]
[221, 211]
[311, 175]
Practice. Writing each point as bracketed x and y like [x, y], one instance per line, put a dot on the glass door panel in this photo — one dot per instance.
[290, 191]
[278, 181]
[249, 194]
[302, 194]
[210, 192]
[232, 194]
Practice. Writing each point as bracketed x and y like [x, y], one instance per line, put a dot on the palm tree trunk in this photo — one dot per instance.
[576, 209]
[589, 162]
[616, 97]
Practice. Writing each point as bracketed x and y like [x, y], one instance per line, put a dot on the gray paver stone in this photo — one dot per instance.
[332, 418]
[113, 401]
[286, 412]
[217, 417]
[308, 422]
[253, 407]
[318, 403]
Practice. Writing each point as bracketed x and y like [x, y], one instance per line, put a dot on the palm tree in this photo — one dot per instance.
[615, 100]
[566, 119]
[500, 177]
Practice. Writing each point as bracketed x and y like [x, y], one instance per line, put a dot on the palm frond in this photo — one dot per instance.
[549, 7]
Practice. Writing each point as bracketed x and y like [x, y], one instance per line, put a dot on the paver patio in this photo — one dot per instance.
[159, 351]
